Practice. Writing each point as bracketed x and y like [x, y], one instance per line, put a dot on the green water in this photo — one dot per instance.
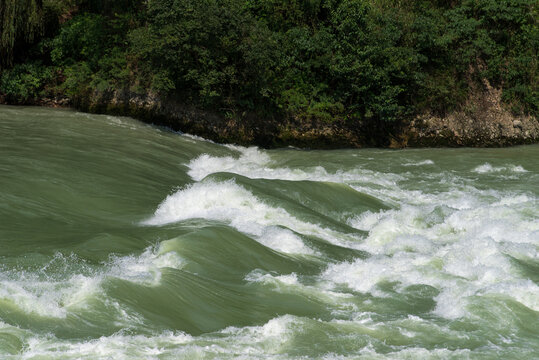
[119, 240]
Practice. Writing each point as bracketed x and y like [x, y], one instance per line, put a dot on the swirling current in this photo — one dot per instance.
[121, 240]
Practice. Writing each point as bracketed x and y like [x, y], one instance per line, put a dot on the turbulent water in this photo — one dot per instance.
[119, 240]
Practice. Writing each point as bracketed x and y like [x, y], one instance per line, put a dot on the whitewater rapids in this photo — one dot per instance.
[122, 240]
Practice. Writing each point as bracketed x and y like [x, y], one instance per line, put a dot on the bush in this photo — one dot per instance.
[26, 82]
[83, 38]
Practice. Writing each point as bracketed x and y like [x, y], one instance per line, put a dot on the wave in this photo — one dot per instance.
[67, 285]
[487, 168]
[231, 203]
[257, 164]
[419, 163]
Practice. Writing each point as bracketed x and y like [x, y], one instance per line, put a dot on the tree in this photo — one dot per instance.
[21, 22]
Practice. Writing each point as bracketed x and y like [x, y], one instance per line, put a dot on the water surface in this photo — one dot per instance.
[120, 240]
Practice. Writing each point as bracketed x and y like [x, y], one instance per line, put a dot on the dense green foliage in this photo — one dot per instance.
[376, 60]
[20, 23]
[27, 81]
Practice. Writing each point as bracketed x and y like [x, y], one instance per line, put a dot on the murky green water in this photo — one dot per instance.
[119, 240]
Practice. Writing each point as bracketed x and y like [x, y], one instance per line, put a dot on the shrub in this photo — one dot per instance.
[26, 82]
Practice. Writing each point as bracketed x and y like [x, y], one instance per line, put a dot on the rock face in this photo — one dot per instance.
[482, 122]
[243, 129]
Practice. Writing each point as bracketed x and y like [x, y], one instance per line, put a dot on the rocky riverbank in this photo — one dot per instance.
[482, 122]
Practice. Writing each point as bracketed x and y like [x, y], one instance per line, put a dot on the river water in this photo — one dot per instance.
[119, 240]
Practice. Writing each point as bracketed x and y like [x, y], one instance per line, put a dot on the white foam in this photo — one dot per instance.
[454, 240]
[55, 294]
[145, 268]
[270, 336]
[419, 163]
[257, 164]
[233, 204]
[342, 303]
[232, 342]
[365, 275]
[261, 277]
[285, 241]
[251, 159]
[488, 168]
[195, 137]
[34, 297]
[111, 347]
[123, 122]
[462, 251]
[417, 353]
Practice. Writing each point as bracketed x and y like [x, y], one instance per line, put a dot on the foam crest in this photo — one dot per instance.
[145, 268]
[488, 168]
[251, 160]
[261, 277]
[66, 283]
[284, 240]
[419, 163]
[342, 303]
[122, 122]
[117, 346]
[233, 204]
[52, 290]
[36, 297]
[269, 337]
[416, 353]
[250, 341]
[257, 164]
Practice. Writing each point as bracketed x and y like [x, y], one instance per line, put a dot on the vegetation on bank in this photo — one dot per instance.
[352, 60]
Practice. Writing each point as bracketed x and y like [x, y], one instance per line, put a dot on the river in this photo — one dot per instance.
[120, 240]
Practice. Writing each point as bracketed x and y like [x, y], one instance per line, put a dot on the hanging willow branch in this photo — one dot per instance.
[21, 21]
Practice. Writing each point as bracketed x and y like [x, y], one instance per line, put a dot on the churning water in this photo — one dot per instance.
[119, 240]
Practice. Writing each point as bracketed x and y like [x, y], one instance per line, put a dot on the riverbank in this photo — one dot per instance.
[482, 122]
